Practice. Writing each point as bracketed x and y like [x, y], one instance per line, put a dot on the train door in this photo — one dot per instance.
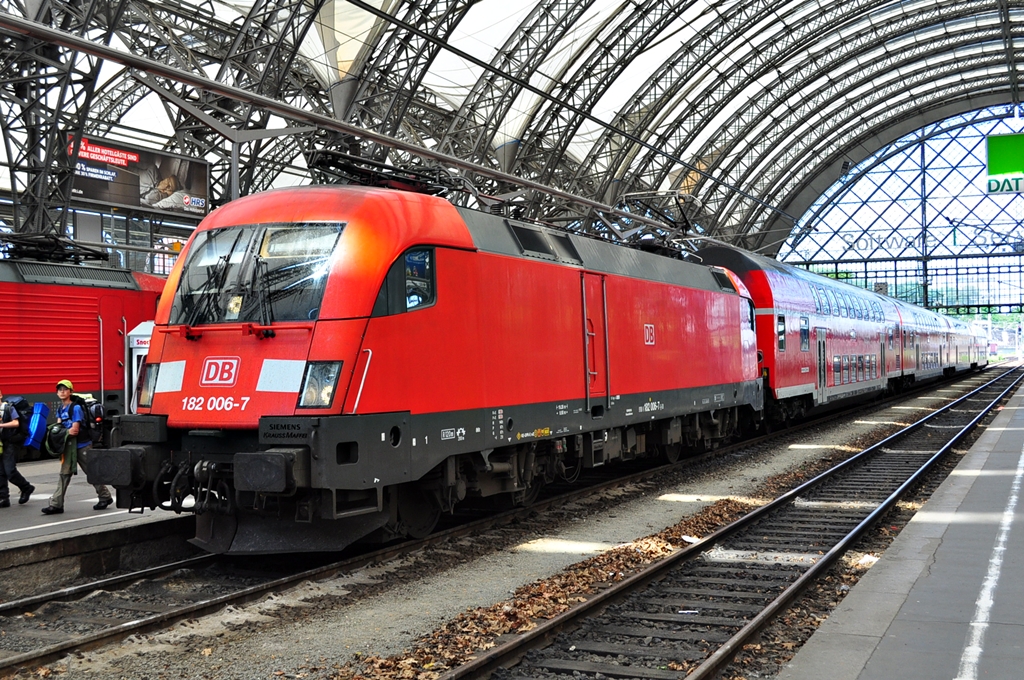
[595, 339]
[821, 390]
[112, 331]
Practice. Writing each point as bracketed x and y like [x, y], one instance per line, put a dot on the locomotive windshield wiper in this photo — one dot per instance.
[212, 286]
[203, 308]
[262, 276]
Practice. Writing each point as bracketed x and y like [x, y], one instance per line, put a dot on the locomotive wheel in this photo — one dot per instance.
[672, 452]
[418, 511]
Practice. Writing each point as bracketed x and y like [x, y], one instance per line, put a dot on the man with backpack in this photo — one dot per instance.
[10, 419]
[69, 438]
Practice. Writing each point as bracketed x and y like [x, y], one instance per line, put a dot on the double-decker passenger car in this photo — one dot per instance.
[334, 362]
[822, 340]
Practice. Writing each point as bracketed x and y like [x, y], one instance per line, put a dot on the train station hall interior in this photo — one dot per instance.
[867, 155]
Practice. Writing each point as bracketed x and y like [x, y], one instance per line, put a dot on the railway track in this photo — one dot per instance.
[690, 614]
[44, 627]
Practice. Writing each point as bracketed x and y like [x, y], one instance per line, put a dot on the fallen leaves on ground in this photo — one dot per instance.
[476, 630]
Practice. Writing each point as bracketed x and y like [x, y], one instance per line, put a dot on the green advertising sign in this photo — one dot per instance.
[1005, 164]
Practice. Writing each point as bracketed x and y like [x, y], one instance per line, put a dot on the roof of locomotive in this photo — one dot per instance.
[394, 214]
[388, 221]
[64, 274]
[515, 238]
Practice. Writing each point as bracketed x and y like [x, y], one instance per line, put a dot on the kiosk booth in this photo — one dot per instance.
[137, 347]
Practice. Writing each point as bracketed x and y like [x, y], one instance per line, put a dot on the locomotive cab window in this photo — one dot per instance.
[256, 273]
[410, 284]
[781, 331]
[419, 279]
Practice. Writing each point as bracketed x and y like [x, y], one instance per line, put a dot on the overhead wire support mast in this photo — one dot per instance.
[381, 14]
[23, 27]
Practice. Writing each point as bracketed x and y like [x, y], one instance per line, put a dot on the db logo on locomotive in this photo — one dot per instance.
[220, 371]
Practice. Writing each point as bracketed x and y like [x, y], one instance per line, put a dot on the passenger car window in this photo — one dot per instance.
[834, 305]
[805, 334]
[781, 331]
[825, 309]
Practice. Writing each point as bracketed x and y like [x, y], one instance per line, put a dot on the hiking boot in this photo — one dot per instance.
[5, 503]
[102, 505]
[26, 493]
[50, 510]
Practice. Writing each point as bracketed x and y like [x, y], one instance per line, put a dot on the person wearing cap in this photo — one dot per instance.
[9, 421]
[75, 450]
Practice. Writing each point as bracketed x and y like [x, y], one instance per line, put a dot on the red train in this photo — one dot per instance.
[70, 321]
[336, 363]
[824, 341]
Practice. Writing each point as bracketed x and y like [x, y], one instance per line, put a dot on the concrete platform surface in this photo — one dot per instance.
[26, 524]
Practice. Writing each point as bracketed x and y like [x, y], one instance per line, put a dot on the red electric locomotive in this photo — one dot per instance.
[334, 362]
[823, 340]
[65, 321]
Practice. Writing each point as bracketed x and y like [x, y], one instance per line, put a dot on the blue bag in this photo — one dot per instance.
[37, 425]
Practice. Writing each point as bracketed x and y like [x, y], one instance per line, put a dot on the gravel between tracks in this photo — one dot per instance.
[312, 630]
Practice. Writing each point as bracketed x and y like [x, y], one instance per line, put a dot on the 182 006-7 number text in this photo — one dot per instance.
[213, 403]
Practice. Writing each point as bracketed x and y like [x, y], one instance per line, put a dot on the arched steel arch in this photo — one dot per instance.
[736, 133]
[45, 98]
[743, 161]
[473, 128]
[680, 109]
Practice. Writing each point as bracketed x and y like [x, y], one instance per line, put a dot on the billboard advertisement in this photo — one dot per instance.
[119, 175]
[1005, 164]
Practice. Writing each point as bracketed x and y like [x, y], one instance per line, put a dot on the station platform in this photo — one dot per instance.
[81, 541]
[26, 523]
[944, 601]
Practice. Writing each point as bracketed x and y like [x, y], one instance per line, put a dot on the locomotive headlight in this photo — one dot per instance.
[318, 384]
[147, 385]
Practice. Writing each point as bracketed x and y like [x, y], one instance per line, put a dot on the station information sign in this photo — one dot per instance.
[1005, 164]
[120, 175]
